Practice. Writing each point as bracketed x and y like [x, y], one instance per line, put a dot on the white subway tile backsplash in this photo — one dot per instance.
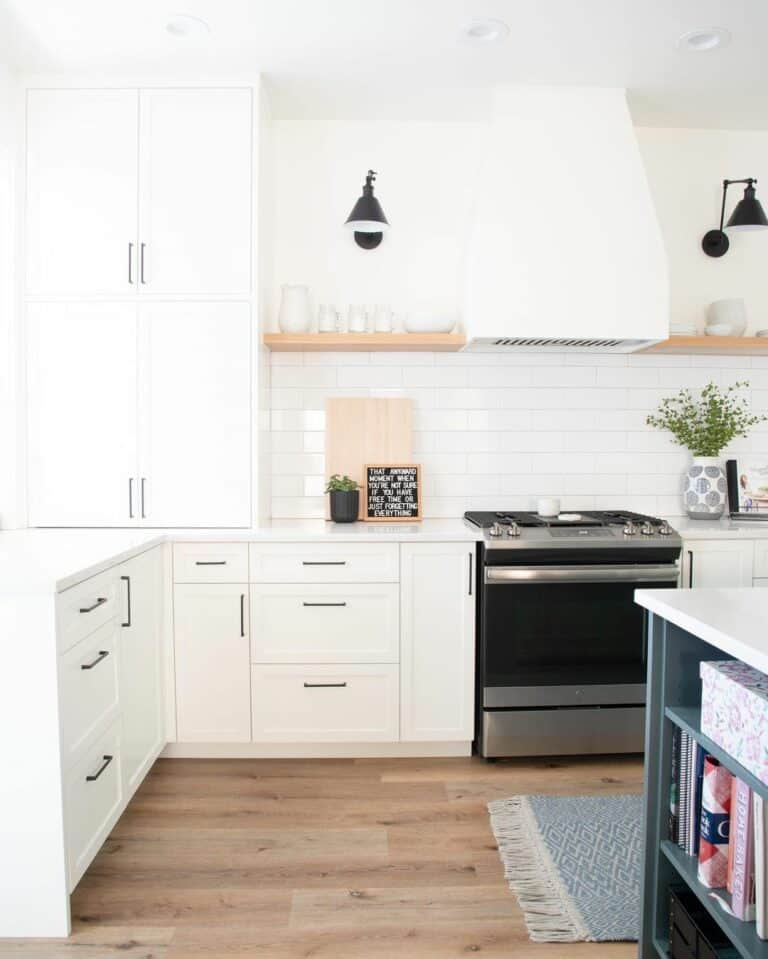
[501, 429]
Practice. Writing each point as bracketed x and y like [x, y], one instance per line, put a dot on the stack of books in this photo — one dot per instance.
[717, 818]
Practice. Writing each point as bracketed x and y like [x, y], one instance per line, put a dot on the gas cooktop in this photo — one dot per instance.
[520, 529]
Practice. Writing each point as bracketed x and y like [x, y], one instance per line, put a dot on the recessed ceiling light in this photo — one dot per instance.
[485, 31]
[704, 39]
[184, 26]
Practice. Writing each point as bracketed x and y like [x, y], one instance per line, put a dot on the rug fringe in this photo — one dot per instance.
[543, 899]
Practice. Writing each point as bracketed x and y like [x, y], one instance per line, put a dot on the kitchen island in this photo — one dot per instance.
[687, 627]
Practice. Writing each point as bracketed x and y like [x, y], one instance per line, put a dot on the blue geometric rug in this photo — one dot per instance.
[574, 862]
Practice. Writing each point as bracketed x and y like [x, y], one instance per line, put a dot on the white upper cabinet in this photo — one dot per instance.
[139, 192]
[82, 414]
[195, 200]
[82, 184]
[195, 448]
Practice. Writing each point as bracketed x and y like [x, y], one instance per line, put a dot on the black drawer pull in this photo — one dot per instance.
[323, 562]
[103, 653]
[324, 685]
[100, 770]
[323, 604]
[99, 602]
[210, 562]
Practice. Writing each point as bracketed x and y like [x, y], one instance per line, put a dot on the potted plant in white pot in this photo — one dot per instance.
[345, 498]
[705, 425]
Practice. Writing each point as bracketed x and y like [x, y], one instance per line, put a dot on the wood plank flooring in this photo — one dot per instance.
[318, 859]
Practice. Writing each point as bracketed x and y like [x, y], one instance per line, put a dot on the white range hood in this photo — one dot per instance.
[565, 251]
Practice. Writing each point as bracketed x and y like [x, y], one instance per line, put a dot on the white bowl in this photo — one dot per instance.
[428, 323]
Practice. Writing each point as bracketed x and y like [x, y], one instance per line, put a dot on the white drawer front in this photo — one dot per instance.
[83, 608]
[761, 558]
[323, 623]
[210, 562]
[324, 562]
[88, 684]
[93, 796]
[325, 704]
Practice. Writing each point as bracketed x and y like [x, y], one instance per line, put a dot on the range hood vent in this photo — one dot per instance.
[557, 344]
[564, 251]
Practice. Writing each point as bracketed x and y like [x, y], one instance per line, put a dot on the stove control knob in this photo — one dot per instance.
[664, 529]
[513, 529]
[630, 529]
[496, 530]
[647, 529]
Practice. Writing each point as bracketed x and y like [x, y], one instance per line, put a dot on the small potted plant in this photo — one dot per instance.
[345, 498]
[705, 425]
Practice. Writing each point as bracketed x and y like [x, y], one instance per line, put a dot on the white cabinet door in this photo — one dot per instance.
[195, 209]
[196, 415]
[437, 642]
[213, 682]
[717, 562]
[141, 691]
[82, 414]
[82, 190]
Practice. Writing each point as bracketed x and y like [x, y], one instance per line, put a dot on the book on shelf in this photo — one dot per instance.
[684, 794]
[673, 828]
[759, 810]
[742, 843]
[715, 824]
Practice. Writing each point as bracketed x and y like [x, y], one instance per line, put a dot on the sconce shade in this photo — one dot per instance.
[748, 213]
[367, 215]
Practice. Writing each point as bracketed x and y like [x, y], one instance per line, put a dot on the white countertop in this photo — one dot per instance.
[733, 620]
[38, 561]
[719, 529]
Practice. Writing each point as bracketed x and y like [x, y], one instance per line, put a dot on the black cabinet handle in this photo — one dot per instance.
[100, 770]
[242, 614]
[103, 653]
[323, 604]
[99, 602]
[127, 580]
[324, 685]
[210, 562]
[323, 562]
[143, 484]
[690, 569]
[130, 263]
[130, 498]
[142, 250]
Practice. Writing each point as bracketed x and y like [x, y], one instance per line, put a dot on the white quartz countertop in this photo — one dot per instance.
[733, 620]
[36, 561]
[719, 529]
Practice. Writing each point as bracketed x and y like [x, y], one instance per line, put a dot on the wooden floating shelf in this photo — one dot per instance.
[364, 342]
[716, 345]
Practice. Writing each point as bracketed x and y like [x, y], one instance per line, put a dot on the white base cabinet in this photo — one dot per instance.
[717, 563]
[213, 682]
[437, 641]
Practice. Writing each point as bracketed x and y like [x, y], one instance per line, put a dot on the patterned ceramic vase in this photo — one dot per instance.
[705, 490]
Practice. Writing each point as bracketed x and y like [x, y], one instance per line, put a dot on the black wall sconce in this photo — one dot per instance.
[748, 214]
[367, 217]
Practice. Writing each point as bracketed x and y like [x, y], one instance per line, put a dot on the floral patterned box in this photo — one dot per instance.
[734, 712]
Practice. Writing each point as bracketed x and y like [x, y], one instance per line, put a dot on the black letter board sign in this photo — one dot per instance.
[392, 493]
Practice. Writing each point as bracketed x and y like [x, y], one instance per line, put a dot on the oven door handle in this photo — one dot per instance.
[495, 575]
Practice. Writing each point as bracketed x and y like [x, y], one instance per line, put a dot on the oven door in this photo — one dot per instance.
[565, 635]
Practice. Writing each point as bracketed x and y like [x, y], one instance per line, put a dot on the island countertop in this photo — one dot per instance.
[732, 620]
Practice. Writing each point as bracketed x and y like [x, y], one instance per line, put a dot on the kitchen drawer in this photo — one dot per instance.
[324, 563]
[210, 562]
[93, 790]
[325, 704]
[324, 623]
[83, 608]
[761, 558]
[88, 684]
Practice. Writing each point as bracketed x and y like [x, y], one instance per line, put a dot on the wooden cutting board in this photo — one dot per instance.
[360, 430]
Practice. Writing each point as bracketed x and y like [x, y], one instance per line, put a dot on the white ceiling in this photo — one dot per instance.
[364, 54]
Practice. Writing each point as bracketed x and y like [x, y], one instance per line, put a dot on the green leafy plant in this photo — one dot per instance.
[706, 424]
[341, 484]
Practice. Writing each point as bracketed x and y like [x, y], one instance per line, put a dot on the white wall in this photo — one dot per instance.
[11, 405]
[496, 430]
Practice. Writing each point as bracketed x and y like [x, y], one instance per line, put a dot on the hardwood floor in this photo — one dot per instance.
[328, 859]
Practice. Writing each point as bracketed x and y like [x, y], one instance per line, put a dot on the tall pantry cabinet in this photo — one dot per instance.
[138, 298]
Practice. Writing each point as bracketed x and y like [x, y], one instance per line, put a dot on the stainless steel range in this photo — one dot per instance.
[561, 643]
